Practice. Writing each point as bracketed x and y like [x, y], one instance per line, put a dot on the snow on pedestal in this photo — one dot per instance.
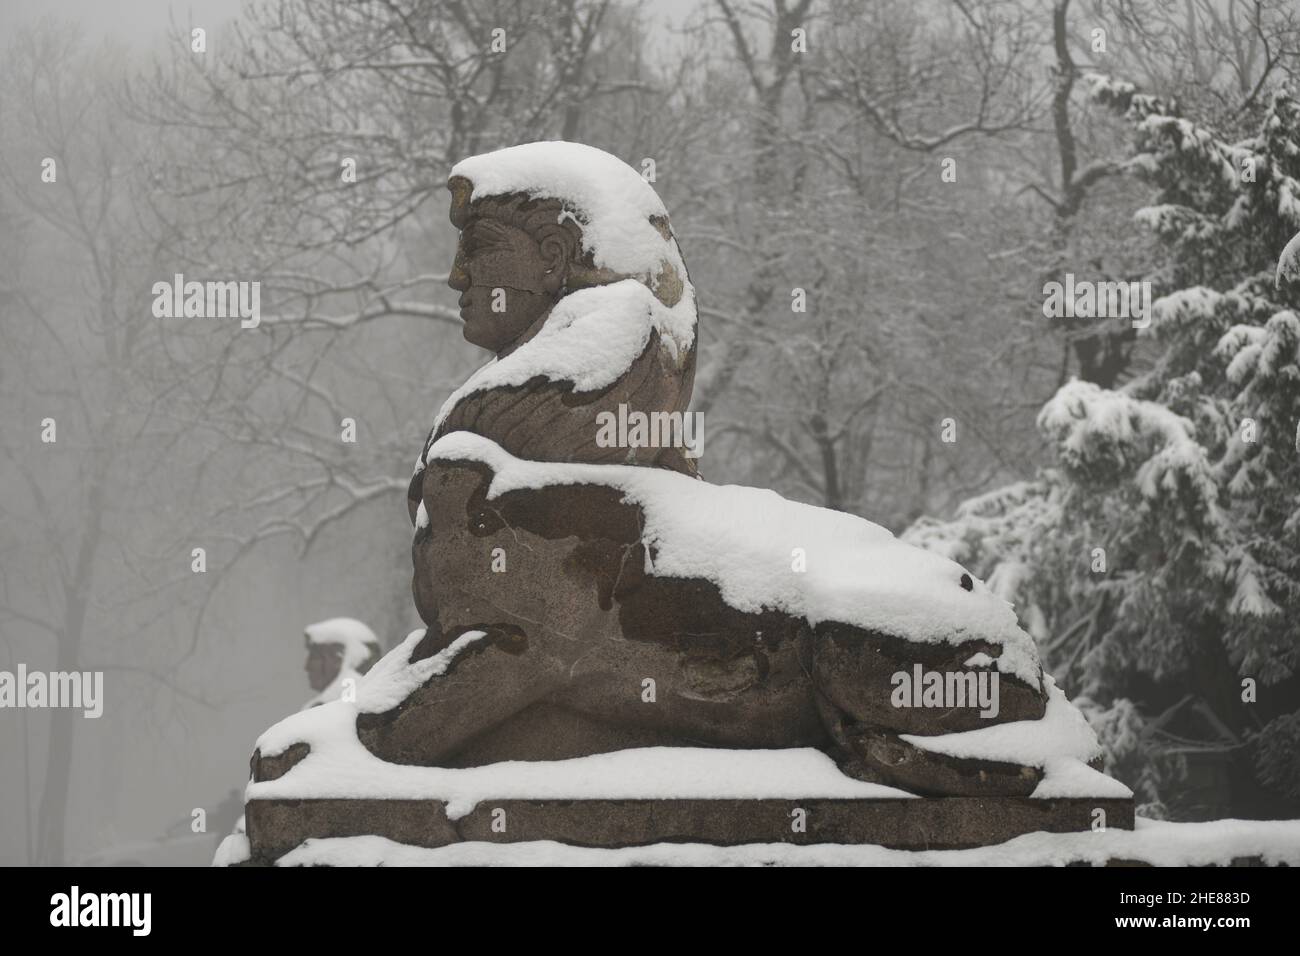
[1155, 842]
[338, 765]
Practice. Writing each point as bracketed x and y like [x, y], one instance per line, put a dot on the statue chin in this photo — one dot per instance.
[480, 333]
[496, 331]
[492, 333]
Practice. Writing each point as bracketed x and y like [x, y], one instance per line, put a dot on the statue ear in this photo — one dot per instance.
[557, 249]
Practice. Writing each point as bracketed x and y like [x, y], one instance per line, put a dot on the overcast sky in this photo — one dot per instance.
[142, 20]
[129, 20]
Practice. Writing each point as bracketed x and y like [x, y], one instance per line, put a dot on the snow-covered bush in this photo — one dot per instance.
[1159, 561]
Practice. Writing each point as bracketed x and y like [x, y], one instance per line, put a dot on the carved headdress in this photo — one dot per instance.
[624, 225]
[624, 332]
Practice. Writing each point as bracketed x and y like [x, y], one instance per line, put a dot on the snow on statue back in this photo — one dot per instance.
[615, 599]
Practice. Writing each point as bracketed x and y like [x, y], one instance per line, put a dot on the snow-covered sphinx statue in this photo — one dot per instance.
[583, 596]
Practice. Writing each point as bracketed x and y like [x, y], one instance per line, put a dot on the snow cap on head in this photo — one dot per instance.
[359, 642]
[624, 224]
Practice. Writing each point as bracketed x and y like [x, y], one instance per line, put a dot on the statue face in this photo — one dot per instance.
[323, 664]
[507, 281]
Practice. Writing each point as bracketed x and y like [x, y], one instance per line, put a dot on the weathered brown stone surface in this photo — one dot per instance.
[577, 624]
[548, 421]
[514, 243]
[274, 767]
[276, 826]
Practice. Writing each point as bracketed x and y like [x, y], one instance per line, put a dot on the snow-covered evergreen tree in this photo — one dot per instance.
[1158, 561]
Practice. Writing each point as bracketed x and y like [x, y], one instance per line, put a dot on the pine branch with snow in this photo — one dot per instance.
[1163, 552]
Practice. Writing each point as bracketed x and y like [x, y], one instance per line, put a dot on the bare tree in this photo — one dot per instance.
[83, 367]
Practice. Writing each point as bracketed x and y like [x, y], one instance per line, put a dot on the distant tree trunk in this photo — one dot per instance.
[832, 492]
[922, 494]
[765, 138]
[52, 819]
[1103, 356]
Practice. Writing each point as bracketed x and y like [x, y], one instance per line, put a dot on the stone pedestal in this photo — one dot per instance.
[275, 827]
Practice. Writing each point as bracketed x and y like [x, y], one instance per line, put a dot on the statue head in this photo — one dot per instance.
[514, 261]
[338, 643]
[542, 220]
[324, 661]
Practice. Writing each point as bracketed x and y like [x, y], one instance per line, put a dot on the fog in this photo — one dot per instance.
[906, 172]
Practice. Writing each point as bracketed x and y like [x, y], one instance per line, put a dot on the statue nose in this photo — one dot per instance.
[458, 277]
